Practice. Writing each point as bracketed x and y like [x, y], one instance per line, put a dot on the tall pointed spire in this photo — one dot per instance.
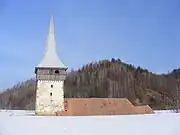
[51, 28]
[51, 59]
[51, 45]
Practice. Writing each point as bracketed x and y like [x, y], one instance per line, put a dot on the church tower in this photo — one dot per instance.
[50, 76]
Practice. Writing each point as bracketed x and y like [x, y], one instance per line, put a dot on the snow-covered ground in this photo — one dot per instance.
[32, 113]
[16, 113]
[25, 123]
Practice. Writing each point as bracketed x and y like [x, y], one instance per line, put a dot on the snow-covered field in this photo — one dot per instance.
[25, 123]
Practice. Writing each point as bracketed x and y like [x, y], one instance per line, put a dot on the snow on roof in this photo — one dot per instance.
[24, 123]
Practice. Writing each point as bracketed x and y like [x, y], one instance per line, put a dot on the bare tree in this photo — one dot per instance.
[176, 98]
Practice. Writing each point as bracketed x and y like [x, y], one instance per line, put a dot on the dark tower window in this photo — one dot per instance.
[51, 86]
[51, 94]
[56, 71]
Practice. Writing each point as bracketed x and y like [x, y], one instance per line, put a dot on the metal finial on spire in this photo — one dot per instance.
[51, 59]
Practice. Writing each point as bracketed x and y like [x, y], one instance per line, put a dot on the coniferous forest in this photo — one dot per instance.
[103, 79]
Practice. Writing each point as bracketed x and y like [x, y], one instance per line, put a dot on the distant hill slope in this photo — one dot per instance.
[175, 73]
[104, 79]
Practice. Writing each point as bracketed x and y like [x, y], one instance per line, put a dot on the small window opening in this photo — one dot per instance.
[56, 71]
[51, 94]
[51, 86]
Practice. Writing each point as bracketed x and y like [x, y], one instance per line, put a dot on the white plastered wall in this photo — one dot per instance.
[47, 103]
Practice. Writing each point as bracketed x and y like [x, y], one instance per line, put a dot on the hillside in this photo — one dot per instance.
[104, 79]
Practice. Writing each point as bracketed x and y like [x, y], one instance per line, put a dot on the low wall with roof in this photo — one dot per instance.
[102, 106]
